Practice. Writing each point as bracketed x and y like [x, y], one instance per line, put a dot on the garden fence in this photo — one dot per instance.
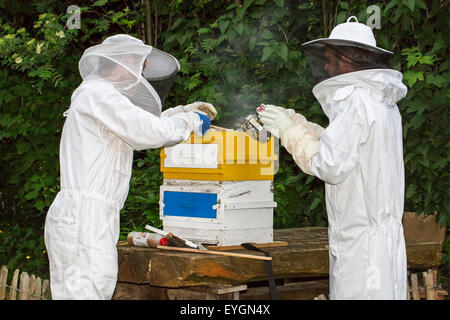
[23, 287]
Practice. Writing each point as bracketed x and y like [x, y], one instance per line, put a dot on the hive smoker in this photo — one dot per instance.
[219, 189]
[253, 126]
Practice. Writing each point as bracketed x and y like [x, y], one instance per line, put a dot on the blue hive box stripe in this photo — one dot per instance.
[190, 204]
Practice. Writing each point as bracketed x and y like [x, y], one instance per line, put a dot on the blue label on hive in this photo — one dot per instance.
[190, 204]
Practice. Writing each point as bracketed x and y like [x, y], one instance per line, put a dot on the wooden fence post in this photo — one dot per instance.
[408, 296]
[45, 289]
[429, 285]
[24, 286]
[31, 287]
[13, 289]
[37, 289]
[3, 282]
[415, 287]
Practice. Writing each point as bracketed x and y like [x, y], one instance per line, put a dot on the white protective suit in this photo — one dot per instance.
[102, 129]
[359, 156]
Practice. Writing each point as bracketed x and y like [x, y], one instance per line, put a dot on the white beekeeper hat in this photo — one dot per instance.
[351, 43]
[352, 34]
[119, 60]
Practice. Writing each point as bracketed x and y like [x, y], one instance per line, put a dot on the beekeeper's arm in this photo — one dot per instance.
[141, 129]
[333, 154]
[299, 136]
[199, 106]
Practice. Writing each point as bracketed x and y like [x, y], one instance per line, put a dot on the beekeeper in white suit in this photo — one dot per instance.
[115, 110]
[359, 156]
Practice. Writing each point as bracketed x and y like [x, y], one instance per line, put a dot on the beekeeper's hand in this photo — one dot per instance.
[200, 107]
[203, 108]
[275, 119]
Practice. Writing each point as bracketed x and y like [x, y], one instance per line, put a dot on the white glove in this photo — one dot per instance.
[201, 107]
[275, 119]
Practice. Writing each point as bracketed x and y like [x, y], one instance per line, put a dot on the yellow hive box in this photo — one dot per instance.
[221, 155]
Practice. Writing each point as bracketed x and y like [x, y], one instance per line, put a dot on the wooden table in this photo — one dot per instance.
[155, 274]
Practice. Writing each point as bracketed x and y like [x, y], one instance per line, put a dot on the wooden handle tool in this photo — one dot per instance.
[220, 253]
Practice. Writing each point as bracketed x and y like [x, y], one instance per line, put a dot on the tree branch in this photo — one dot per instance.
[148, 22]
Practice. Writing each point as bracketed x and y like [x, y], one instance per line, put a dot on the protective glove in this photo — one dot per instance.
[203, 108]
[275, 119]
[200, 107]
[205, 122]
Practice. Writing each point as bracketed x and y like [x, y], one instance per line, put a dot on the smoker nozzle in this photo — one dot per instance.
[253, 126]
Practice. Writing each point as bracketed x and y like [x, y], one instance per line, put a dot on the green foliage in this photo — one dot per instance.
[234, 54]
[142, 206]
[23, 247]
[39, 58]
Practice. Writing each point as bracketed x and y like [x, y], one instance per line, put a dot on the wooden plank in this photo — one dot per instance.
[423, 255]
[139, 265]
[434, 273]
[408, 296]
[37, 289]
[220, 253]
[131, 291]
[3, 282]
[429, 285]
[31, 287]
[184, 269]
[189, 294]
[24, 286]
[134, 263]
[227, 288]
[213, 292]
[305, 256]
[422, 228]
[415, 287]
[45, 289]
[258, 245]
[13, 289]
[305, 290]
[441, 294]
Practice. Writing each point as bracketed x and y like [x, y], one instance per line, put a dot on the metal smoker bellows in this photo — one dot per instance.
[253, 126]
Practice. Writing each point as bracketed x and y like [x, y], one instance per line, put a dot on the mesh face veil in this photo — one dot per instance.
[350, 47]
[160, 70]
[335, 57]
[120, 61]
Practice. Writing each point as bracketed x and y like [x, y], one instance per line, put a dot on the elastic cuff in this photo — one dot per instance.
[292, 132]
[197, 124]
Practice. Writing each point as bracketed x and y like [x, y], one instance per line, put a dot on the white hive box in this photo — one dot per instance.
[218, 212]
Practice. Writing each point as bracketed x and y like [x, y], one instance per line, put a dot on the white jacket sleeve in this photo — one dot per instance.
[338, 150]
[141, 129]
[301, 140]
[172, 111]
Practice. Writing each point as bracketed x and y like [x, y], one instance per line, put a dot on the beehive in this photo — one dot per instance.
[219, 189]
[221, 155]
[218, 212]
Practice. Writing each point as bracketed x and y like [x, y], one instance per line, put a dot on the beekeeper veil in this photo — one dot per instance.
[350, 47]
[121, 59]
